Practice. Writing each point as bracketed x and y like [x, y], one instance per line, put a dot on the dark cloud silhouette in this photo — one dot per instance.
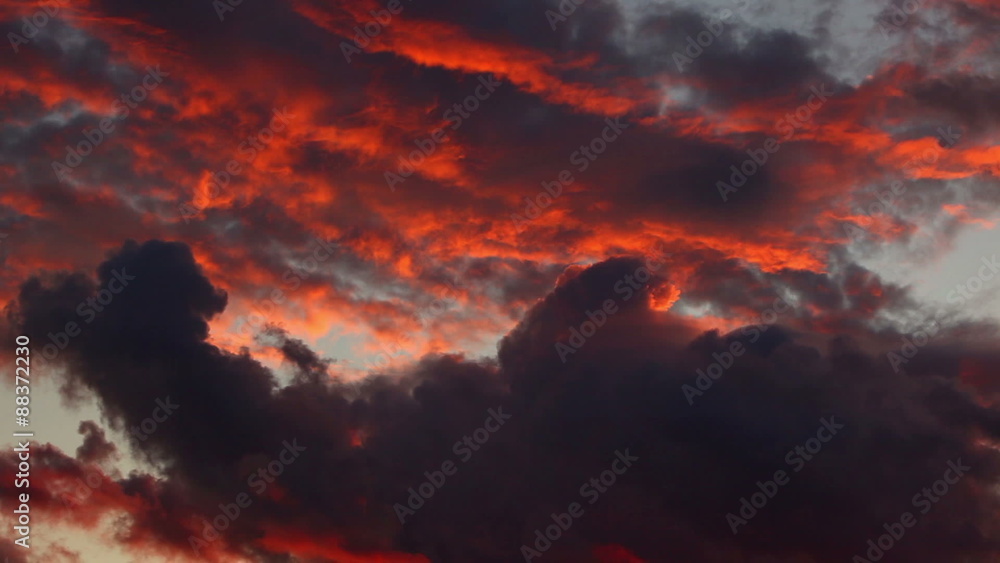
[95, 448]
[368, 442]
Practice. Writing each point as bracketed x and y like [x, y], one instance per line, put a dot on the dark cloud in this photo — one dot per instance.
[95, 448]
[966, 101]
[12, 553]
[393, 256]
[372, 440]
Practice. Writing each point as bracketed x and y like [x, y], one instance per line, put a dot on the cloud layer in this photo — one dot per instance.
[234, 167]
[368, 442]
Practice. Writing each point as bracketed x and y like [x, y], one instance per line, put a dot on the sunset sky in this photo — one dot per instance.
[690, 230]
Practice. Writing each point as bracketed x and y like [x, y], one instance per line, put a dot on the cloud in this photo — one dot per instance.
[95, 447]
[446, 235]
[370, 440]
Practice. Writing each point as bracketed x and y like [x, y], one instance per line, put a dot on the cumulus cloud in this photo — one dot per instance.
[369, 441]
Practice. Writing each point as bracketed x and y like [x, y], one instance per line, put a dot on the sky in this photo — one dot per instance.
[433, 281]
